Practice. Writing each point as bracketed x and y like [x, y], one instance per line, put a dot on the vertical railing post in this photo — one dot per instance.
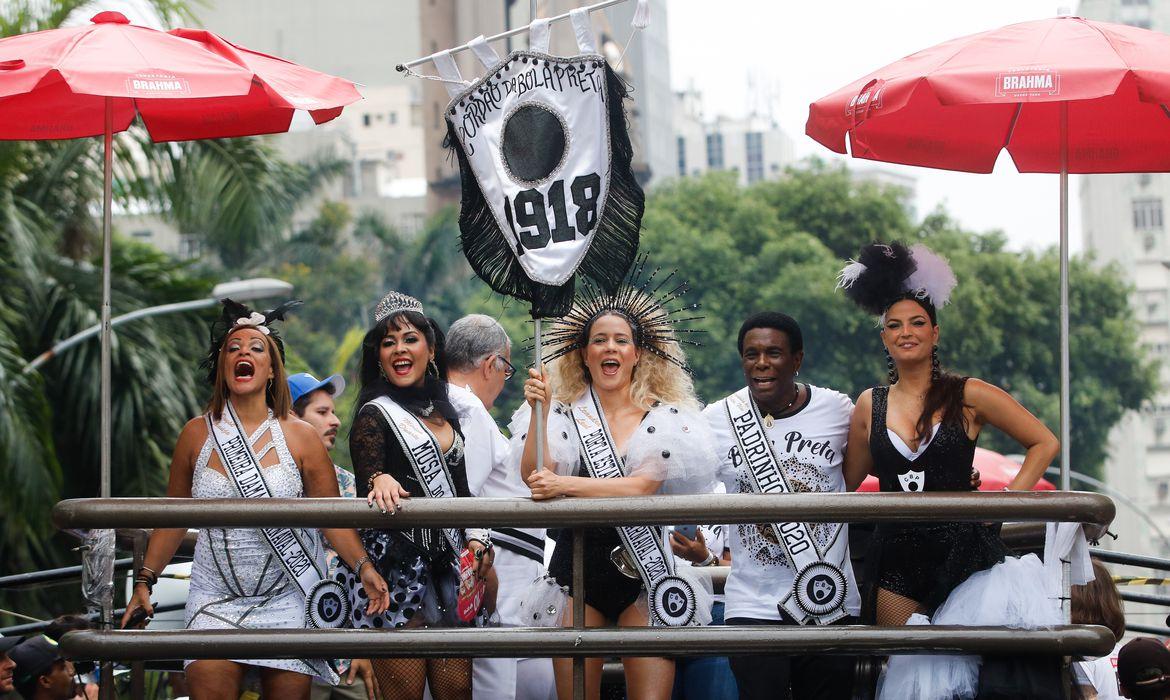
[578, 608]
[138, 668]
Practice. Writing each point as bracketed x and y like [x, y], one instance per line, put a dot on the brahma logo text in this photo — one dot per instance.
[1027, 82]
[157, 85]
[869, 99]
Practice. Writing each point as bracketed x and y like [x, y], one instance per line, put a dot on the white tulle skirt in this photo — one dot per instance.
[1009, 594]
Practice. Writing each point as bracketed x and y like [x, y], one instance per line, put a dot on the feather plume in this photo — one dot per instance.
[933, 278]
[849, 274]
[878, 276]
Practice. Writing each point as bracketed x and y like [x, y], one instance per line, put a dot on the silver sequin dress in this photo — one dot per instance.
[236, 581]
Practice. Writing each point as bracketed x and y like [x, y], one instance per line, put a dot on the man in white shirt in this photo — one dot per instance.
[778, 436]
[479, 356]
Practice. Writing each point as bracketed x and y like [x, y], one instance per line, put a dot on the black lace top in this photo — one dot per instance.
[924, 561]
[373, 447]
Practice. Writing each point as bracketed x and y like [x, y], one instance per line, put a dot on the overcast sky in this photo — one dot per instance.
[807, 49]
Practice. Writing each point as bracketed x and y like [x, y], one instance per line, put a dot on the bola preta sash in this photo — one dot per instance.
[818, 591]
[425, 457]
[672, 598]
[544, 158]
[326, 601]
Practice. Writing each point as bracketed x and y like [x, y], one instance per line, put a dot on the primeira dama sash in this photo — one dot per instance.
[672, 598]
[326, 601]
[818, 591]
[425, 457]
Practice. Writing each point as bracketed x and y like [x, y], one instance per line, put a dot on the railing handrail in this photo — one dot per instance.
[1062, 640]
[714, 509]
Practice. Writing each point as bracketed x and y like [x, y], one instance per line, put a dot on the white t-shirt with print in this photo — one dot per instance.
[810, 447]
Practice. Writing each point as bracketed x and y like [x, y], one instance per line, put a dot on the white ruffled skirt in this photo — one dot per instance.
[1009, 594]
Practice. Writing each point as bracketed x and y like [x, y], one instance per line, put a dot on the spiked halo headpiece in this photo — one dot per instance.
[650, 304]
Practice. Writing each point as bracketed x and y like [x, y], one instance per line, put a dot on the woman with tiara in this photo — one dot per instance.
[918, 434]
[406, 443]
[249, 444]
[621, 419]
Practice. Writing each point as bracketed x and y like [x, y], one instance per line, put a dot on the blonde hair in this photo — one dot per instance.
[654, 378]
[275, 394]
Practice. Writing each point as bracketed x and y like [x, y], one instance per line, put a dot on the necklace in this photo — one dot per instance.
[769, 421]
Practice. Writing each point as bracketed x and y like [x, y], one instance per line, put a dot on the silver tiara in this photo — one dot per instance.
[394, 302]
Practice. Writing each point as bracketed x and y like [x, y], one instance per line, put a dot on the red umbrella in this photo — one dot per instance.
[187, 84]
[1061, 95]
[995, 471]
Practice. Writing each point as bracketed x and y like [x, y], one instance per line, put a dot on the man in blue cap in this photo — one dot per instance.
[313, 402]
[7, 664]
[41, 672]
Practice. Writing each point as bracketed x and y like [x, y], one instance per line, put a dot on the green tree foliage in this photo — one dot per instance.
[779, 246]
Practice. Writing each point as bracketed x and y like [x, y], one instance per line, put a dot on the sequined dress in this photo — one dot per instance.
[236, 581]
[418, 563]
[925, 561]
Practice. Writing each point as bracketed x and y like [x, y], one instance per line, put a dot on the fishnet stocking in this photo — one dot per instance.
[894, 609]
[403, 679]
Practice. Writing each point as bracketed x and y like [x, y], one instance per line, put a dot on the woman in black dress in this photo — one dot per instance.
[403, 387]
[919, 434]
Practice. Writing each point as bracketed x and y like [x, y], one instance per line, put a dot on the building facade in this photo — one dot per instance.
[753, 147]
[1123, 224]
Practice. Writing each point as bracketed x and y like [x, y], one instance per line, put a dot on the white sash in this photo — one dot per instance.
[820, 587]
[326, 601]
[425, 457]
[672, 598]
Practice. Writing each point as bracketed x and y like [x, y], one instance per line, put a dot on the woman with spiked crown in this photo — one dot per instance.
[918, 434]
[406, 442]
[249, 445]
[621, 419]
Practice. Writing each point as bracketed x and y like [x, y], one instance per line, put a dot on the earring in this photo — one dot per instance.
[891, 370]
[382, 372]
[935, 371]
[433, 367]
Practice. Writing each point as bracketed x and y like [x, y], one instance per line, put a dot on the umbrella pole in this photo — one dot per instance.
[1065, 403]
[540, 436]
[107, 686]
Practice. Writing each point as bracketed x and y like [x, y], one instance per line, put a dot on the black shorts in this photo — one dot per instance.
[606, 589]
[805, 677]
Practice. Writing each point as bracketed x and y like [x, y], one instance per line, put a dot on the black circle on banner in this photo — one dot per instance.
[534, 143]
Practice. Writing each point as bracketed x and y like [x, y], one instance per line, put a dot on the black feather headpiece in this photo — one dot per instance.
[647, 302]
[885, 273]
[236, 315]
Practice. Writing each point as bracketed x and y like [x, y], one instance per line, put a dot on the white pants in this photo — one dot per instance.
[513, 679]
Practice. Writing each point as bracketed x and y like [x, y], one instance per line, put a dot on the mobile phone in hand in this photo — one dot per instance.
[687, 531]
[136, 618]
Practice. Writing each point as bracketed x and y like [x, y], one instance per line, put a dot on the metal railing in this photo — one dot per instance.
[579, 642]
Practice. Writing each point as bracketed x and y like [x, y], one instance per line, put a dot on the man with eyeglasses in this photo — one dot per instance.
[478, 363]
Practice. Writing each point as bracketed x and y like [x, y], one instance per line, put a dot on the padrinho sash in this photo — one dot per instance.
[672, 598]
[425, 457]
[326, 601]
[818, 591]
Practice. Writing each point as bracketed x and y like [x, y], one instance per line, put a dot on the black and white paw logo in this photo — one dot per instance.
[912, 481]
[674, 601]
[820, 588]
[328, 605]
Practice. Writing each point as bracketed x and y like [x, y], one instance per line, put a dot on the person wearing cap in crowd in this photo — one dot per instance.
[41, 673]
[479, 354]
[313, 401]
[6, 663]
[1143, 670]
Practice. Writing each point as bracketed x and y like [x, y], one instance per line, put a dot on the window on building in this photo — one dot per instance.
[1163, 491]
[1135, 3]
[142, 234]
[190, 246]
[755, 156]
[682, 156]
[365, 120]
[715, 151]
[1147, 214]
[393, 117]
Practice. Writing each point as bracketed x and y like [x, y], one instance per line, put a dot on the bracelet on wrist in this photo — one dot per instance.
[357, 565]
[145, 582]
[711, 560]
[370, 481]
